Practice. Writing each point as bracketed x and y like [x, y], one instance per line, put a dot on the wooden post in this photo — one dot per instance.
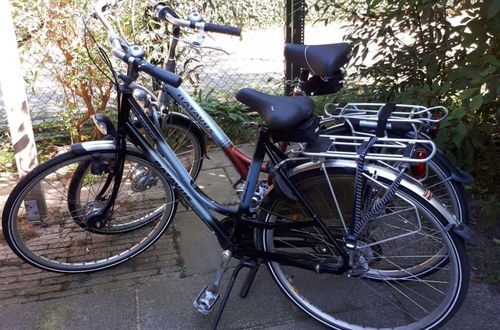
[16, 105]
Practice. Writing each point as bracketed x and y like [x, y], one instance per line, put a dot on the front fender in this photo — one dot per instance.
[100, 145]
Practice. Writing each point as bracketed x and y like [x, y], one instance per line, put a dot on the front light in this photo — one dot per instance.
[101, 126]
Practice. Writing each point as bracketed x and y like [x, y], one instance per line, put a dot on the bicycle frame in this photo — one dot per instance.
[174, 171]
[239, 159]
[166, 160]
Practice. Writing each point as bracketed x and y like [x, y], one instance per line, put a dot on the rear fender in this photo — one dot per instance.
[389, 176]
[455, 173]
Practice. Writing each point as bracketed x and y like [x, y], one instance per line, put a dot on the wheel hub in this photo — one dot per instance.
[142, 179]
[93, 217]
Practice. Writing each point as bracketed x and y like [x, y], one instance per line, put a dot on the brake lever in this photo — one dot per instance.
[191, 44]
[199, 39]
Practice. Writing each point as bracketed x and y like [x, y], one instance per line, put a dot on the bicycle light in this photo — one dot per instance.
[103, 124]
[419, 170]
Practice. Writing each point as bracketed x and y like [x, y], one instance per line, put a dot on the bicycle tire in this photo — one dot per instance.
[55, 242]
[315, 293]
[191, 142]
[186, 141]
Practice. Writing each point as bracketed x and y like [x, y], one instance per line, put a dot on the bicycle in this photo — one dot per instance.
[320, 74]
[303, 241]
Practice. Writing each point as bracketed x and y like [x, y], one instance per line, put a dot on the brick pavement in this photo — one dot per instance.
[21, 283]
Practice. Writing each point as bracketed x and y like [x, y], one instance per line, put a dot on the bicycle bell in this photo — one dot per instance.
[136, 51]
[195, 17]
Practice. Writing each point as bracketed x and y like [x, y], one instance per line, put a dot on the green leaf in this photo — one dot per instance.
[493, 8]
[456, 114]
[476, 102]
[468, 93]
[492, 60]
[458, 134]
[488, 71]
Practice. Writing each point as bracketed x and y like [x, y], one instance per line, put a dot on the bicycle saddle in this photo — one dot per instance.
[321, 60]
[278, 112]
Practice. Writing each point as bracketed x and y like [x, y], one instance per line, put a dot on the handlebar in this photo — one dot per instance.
[166, 13]
[157, 72]
[231, 30]
[121, 49]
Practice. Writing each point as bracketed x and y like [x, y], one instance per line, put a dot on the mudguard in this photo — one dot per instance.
[100, 145]
[456, 174]
[389, 176]
[466, 233]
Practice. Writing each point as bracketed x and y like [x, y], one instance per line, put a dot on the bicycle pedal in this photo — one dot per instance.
[205, 301]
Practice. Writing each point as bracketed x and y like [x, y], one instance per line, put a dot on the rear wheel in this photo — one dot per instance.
[186, 141]
[48, 228]
[411, 269]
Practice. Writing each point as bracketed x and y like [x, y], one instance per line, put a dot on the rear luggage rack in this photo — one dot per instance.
[384, 149]
[406, 113]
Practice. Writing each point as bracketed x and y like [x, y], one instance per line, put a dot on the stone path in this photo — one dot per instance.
[155, 290]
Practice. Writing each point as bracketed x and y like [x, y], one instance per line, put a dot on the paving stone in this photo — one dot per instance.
[61, 294]
[28, 291]
[216, 184]
[133, 275]
[170, 305]
[198, 246]
[85, 311]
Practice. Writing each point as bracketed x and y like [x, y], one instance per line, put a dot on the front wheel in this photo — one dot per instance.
[412, 272]
[49, 226]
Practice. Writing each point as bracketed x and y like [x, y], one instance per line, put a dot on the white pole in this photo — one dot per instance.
[16, 105]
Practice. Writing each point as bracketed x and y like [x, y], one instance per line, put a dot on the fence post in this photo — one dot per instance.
[295, 11]
[16, 105]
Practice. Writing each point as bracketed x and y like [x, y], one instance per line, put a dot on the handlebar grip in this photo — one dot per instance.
[160, 74]
[231, 30]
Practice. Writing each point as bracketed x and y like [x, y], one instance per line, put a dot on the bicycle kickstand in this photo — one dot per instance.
[249, 263]
[249, 280]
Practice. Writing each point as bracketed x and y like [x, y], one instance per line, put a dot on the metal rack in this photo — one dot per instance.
[385, 149]
[406, 113]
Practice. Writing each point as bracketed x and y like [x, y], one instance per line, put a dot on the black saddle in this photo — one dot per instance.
[278, 112]
[321, 60]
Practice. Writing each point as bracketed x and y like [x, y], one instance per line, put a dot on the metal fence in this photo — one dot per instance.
[254, 60]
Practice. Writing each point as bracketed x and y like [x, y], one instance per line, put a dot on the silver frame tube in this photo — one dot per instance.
[200, 116]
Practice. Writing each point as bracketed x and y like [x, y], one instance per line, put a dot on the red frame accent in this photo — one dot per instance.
[240, 161]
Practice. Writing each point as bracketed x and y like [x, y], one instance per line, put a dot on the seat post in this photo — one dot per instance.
[253, 173]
